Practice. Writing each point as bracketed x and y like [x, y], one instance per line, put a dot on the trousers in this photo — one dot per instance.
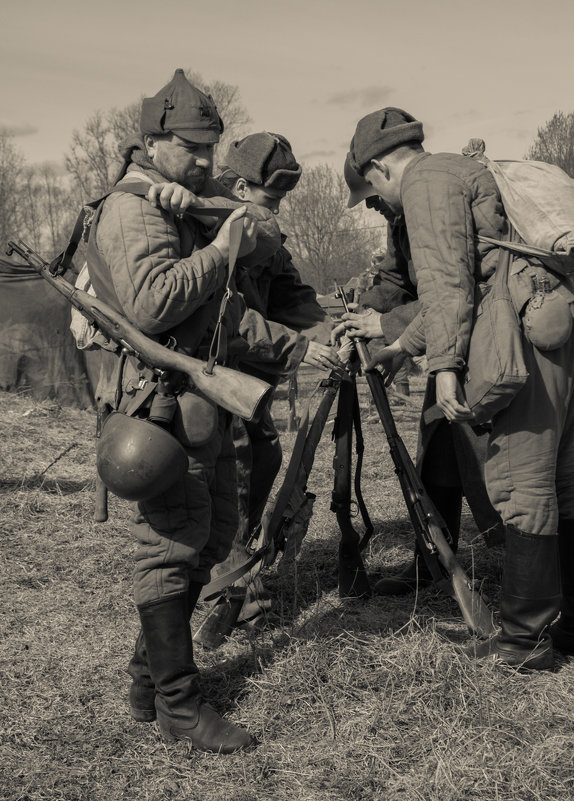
[183, 533]
[530, 456]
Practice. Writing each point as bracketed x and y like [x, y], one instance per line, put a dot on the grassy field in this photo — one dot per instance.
[349, 701]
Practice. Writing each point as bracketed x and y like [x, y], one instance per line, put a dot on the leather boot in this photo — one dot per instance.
[562, 632]
[142, 690]
[180, 709]
[530, 602]
[448, 501]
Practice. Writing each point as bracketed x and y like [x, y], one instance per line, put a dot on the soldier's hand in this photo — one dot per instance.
[366, 325]
[172, 197]
[321, 356]
[249, 238]
[249, 233]
[388, 359]
[450, 397]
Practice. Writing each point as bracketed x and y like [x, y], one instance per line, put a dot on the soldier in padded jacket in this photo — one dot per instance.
[168, 273]
[448, 200]
[450, 458]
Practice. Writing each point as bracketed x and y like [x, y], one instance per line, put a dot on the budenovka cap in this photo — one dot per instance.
[184, 110]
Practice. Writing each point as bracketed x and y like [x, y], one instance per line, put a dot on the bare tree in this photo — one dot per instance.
[329, 241]
[554, 142]
[94, 157]
[46, 210]
[11, 169]
[58, 211]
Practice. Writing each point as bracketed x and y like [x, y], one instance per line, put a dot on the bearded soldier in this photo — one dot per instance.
[168, 273]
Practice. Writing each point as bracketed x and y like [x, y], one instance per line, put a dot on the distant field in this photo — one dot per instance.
[349, 701]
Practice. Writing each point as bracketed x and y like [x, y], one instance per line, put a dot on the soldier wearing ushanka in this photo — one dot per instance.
[450, 458]
[261, 169]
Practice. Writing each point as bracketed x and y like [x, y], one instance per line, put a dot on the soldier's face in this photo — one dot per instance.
[186, 163]
[386, 184]
[267, 198]
[378, 204]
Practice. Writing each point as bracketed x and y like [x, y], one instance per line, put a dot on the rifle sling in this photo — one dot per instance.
[218, 345]
[359, 449]
[215, 588]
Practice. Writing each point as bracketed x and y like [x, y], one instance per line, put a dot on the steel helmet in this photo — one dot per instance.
[137, 459]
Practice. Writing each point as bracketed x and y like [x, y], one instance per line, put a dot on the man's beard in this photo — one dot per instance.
[195, 180]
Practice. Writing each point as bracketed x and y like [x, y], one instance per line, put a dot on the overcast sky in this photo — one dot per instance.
[496, 69]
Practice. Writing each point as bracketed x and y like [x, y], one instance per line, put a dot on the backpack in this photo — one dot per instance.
[86, 334]
[538, 199]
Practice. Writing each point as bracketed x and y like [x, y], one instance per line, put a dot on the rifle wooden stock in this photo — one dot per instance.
[222, 617]
[353, 579]
[292, 493]
[237, 392]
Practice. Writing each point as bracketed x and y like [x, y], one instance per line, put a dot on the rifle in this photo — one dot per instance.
[236, 392]
[221, 618]
[430, 530]
[353, 580]
[284, 523]
[286, 520]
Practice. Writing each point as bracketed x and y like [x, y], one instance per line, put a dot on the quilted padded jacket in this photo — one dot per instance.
[163, 273]
[447, 200]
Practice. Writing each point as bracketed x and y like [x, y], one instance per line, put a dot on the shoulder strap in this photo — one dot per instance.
[63, 262]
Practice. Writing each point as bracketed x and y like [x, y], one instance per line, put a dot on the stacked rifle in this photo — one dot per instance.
[287, 518]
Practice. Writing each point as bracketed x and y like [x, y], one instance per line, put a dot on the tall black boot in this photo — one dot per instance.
[142, 690]
[530, 602]
[562, 632]
[448, 501]
[181, 711]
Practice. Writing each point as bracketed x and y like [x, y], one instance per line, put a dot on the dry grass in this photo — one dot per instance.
[350, 701]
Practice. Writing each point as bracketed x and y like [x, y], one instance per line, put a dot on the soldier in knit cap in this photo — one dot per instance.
[450, 458]
[449, 203]
[167, 273]
[261, 169]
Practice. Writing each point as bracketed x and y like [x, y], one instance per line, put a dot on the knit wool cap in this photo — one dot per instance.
[380, 132]
[265, 159]
[182, 109]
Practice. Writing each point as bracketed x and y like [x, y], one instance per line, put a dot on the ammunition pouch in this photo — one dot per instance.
[195, 420]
